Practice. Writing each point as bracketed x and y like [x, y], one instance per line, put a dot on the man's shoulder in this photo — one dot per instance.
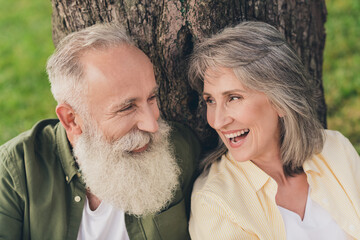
[40, 135]
[183, 137]
[180, 130]
[185, 143]
[22, 157]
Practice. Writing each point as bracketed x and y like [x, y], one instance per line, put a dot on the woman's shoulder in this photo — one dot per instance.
[337, 154]
[210, 180]
[224, 182]
[336, 143]
[333, 135]
[210, 192]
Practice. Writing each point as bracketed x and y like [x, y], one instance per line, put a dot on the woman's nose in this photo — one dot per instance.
[221, 118]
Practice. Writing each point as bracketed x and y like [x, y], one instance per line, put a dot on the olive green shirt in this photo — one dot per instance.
[42, 193]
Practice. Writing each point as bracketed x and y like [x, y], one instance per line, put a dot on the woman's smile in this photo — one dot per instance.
[245, 119]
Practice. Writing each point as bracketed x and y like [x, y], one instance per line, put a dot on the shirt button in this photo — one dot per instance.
[67, 178]
[77, 199]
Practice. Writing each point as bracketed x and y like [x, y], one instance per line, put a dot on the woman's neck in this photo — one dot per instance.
[273, 167]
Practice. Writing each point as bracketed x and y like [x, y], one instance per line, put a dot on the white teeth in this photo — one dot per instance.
[237, 134]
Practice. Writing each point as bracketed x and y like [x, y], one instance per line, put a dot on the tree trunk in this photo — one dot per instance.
[166, 31]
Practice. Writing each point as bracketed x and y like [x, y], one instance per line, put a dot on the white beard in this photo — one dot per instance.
[136, 183]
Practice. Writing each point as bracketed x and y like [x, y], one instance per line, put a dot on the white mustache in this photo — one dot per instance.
[134, 140]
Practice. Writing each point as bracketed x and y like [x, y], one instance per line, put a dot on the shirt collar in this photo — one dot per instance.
[64, 150]
[311, 166]
[257, 177]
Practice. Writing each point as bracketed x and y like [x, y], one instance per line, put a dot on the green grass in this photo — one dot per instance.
[25, 44]
[341, 68]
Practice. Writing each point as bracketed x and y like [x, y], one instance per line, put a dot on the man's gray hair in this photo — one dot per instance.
[65, 69]
[263, 61]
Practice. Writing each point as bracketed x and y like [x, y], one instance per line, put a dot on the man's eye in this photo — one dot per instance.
[126, 108]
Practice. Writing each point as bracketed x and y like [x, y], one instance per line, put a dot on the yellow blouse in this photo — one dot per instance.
[236, 200]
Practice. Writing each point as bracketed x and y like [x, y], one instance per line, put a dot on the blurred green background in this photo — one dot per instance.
[25, 44]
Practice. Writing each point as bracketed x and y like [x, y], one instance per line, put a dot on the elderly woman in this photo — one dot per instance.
[276, 173]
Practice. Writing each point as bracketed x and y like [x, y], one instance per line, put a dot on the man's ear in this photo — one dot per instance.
[70, 120]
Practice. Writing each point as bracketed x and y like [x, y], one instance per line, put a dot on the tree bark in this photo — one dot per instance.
[166, 30]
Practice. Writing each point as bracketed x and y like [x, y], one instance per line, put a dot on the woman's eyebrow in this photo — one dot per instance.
[226, 92]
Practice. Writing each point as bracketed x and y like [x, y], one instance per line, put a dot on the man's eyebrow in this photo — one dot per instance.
[115, 107]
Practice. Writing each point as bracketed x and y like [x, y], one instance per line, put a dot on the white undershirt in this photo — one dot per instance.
[316, 225]
[104, 223]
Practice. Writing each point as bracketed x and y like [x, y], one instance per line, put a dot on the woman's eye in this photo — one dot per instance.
[152, 98]
[234, 98]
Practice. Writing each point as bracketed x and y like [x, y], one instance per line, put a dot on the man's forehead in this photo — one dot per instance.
[118, 76]
[121, 50]
[127, 63]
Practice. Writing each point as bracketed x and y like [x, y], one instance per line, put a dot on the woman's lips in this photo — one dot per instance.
[236, 138]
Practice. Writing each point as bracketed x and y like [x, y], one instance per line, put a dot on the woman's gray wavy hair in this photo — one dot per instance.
[64, 68]
[263, 61]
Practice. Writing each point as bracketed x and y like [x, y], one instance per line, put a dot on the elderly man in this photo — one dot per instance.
[110, 169]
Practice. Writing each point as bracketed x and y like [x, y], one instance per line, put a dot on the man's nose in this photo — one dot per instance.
[148, 118]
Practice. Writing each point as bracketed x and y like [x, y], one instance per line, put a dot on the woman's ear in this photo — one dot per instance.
[280, 112]
[70, 121]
